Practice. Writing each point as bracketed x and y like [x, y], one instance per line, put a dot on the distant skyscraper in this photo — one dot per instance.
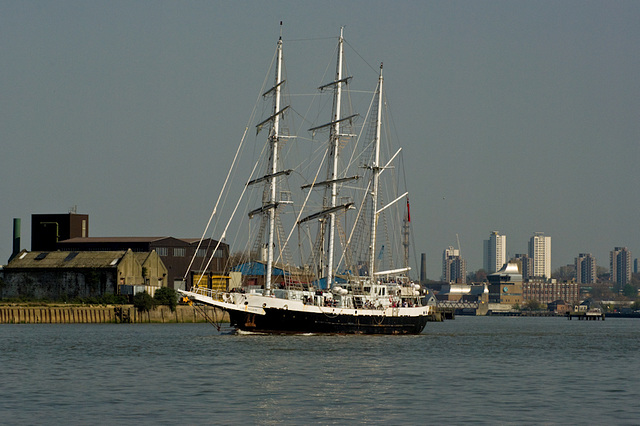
[526, 265]
[495, 252]
[454, 267]
[540, 251]
[620, 266]
[586, 268]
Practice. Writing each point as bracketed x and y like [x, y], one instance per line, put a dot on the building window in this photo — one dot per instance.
[201, 252]
[162, 251]
[179, 252]
[218, 254]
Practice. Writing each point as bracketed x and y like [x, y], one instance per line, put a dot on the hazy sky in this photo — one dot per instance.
[516, 116]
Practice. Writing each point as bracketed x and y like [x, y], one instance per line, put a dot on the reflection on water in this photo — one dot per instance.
[472, 369]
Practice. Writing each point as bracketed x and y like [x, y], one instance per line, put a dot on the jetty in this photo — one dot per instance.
[591, 315]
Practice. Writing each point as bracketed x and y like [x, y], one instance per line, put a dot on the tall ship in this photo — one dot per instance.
[346, 280]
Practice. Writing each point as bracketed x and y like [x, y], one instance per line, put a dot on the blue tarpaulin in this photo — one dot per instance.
[257, 269]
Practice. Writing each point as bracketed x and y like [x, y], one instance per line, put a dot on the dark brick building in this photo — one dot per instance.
[48, 229]
[176, 253]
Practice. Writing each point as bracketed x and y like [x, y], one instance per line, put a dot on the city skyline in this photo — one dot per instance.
[621, 260]
[514, 116]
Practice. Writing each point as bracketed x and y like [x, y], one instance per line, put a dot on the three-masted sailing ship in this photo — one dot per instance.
[359, 299]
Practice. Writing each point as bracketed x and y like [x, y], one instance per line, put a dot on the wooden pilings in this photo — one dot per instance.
[103, 314]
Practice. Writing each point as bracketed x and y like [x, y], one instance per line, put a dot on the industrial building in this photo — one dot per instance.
[176, 253]
[547, 291]
[505, 286]
[69, 233]
[58, 275]
[49, 229]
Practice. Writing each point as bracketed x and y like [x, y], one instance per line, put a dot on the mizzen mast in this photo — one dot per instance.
[375, 170]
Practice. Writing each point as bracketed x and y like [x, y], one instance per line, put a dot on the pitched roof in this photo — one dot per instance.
[122, 240]
[112, 240]
[66, 259]
[141, 256]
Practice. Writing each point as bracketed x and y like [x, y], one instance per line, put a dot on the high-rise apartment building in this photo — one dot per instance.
[454, 267]
[540, 252]
[586, 268]
[620, 266]
[526, 265]
[495, 252]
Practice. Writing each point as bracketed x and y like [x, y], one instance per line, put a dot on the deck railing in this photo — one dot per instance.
[214, 294]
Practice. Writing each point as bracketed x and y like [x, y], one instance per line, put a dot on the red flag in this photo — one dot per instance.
[408, 211]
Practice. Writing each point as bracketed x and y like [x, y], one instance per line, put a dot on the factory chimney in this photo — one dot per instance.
[16, 238]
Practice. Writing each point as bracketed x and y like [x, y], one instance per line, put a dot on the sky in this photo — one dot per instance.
[515, 116]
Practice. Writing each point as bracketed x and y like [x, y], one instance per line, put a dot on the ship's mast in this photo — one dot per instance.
[406, 229]
[334, 142]
[270, 201]
[274, 139]
[375, 171]
[328, 215]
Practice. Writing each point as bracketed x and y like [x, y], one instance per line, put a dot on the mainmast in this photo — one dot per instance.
[375, 170]
[331, 207]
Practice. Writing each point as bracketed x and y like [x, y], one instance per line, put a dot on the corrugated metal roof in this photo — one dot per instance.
[141, 256]
[65, 259]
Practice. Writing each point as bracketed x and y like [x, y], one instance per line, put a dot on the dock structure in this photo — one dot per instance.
[586, 315]
[55, 314]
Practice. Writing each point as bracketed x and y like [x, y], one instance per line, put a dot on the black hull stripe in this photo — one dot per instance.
[285, 321]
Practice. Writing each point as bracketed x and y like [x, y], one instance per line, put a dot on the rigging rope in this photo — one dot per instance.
[231, 168]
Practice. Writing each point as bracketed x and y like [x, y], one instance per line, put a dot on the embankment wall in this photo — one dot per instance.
[105, 314]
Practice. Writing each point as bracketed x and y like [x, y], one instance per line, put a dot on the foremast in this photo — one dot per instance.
[270, 203]
[334, 141]
[274, 139]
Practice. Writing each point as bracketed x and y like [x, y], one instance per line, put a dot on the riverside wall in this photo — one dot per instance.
[106, 314]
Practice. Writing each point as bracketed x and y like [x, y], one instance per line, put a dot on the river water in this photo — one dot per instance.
[481, 370]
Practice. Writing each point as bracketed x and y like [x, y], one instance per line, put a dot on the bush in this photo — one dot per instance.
[533, 305]
[143, 302]
[113, 299]
[166, 296]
